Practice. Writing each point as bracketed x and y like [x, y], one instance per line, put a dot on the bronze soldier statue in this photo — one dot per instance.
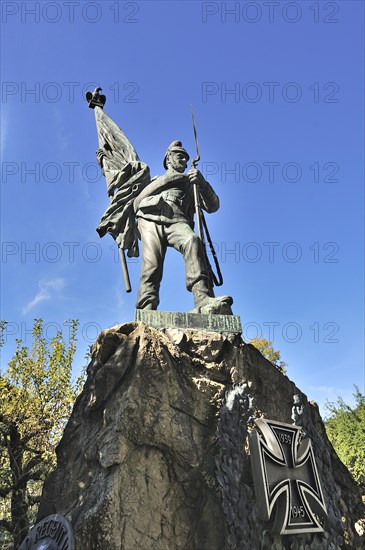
[165, 213]
[158, 211]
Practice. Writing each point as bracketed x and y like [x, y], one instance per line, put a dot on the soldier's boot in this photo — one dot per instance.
[206, 304]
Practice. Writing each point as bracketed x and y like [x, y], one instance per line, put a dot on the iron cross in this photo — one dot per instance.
[286, 478]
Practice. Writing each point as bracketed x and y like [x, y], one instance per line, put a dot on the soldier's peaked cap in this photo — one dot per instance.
[174, 147]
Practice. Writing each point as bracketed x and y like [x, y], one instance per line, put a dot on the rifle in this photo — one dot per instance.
[200, 218]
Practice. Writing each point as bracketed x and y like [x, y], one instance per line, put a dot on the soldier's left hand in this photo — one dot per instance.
[195, 176]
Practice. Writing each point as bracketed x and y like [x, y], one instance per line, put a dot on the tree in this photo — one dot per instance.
[36, 398]
[346, 430]
[267, 350]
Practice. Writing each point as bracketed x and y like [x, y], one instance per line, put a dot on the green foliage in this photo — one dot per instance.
[346, 430]
[267, 350]
[2, 328]
[36, 398]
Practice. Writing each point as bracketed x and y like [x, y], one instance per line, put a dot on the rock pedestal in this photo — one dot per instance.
[155, 453]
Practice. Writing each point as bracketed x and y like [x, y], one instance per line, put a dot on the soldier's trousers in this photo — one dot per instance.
[155, 239]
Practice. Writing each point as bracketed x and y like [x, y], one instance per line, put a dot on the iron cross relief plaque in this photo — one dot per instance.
[287, 485]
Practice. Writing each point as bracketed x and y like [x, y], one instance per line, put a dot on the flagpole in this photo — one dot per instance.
[97, 102]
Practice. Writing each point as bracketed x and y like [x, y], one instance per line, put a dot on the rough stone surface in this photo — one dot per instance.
[155, 454]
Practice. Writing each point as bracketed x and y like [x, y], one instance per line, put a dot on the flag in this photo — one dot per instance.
[126, 176]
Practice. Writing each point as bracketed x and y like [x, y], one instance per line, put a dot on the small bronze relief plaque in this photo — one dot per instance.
[287, 485]
[51, 533]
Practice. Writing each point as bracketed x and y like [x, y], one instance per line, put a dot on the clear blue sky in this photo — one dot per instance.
[278, 94]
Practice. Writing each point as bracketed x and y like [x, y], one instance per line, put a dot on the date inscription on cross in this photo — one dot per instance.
[287, 485]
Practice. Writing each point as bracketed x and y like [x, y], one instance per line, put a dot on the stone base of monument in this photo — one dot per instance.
[225, 324]
[155, 455]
